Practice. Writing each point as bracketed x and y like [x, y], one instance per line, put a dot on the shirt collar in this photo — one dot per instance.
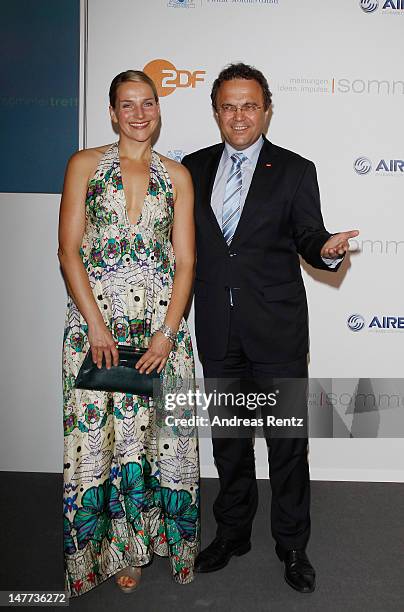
[252, 152]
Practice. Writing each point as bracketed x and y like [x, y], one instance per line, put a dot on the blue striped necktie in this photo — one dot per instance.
[231, 203]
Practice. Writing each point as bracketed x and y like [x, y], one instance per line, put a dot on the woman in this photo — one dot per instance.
[128, 491]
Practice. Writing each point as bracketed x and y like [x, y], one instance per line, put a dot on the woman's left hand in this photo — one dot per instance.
[156, 355]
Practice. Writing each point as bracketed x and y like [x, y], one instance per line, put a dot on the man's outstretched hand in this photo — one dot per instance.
[338, 244]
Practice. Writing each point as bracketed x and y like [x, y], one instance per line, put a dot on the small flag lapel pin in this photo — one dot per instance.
[268, 165]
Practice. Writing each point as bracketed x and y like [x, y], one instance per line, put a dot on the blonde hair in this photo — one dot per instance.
[137, 76]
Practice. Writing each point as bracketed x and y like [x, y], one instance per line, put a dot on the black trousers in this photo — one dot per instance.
[236, 504]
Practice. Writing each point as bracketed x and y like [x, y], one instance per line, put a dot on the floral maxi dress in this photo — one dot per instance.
[129, 492]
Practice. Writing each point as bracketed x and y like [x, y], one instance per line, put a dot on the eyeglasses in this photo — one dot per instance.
[249, 108]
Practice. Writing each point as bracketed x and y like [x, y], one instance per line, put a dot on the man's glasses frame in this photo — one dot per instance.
[249, 108]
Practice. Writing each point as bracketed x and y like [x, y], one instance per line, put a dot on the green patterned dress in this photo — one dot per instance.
[129, 491]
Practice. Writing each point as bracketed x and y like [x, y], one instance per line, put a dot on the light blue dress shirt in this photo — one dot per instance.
[247, 171]
[223, 171]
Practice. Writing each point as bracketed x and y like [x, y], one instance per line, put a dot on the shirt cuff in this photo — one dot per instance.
[332, 263]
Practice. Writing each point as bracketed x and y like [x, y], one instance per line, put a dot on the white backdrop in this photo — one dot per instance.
[337, 43]
[338, 91]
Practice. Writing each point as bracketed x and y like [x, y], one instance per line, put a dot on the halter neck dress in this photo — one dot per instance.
[129, 492]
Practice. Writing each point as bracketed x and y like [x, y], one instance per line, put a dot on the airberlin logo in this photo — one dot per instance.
[363, 165]
[369, 6]
[388, 6]
[356, 323]
[168, 78]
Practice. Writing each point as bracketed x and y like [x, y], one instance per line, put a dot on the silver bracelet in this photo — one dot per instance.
[168, 332]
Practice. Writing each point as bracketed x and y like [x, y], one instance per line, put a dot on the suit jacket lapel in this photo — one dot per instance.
[211, 170]
[260, 187]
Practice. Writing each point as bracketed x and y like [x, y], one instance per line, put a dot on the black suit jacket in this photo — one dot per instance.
[281, 219]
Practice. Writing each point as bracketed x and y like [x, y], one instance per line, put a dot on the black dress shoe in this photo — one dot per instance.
[218, 554]
[299, 572]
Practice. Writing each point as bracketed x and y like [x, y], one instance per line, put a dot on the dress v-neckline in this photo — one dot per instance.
[124, 201]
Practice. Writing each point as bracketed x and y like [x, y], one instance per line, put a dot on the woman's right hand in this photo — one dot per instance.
[102, 344]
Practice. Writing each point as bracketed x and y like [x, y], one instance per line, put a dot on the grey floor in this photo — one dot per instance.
[357, 547]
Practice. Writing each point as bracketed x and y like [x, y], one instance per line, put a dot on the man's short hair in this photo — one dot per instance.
[242, 71]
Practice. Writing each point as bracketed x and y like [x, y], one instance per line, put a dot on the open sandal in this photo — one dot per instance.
[128, 579]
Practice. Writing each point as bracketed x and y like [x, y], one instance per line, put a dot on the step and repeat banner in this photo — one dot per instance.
[39, 99]
[39, 128]
[336, 75]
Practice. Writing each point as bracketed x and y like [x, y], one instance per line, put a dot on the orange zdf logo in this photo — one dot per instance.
[168, 78]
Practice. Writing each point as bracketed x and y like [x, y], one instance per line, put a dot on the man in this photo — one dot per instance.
[257, 208]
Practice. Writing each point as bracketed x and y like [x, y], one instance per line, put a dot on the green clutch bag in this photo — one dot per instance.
[123, 378]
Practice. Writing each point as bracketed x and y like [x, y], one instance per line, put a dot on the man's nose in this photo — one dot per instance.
[239, 114]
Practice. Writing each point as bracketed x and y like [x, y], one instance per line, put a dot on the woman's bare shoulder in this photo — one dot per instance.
[87, 160]
[89, 156]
